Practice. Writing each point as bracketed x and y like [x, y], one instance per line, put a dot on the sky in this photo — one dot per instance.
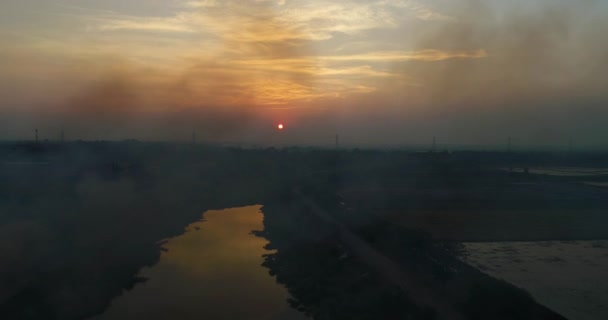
[385, 72]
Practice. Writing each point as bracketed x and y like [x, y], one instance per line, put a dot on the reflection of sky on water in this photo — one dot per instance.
[568, 277]
[213, 271]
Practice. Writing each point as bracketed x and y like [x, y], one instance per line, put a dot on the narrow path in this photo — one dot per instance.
[408, 281]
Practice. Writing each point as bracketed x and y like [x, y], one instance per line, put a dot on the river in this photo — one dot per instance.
[212, 271]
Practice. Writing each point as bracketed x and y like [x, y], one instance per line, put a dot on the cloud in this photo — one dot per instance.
[235, 53]
[172, 24]
[535, 54]
[398, 58]
[319, 20]
[423, 12]
[421, 55]
[201, 4]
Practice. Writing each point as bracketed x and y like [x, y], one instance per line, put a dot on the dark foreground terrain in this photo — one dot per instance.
[79, 220]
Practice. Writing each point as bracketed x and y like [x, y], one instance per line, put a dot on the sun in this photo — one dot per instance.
[280, 126]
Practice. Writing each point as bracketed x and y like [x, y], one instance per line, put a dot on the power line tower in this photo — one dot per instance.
[337, 141]
[509, 156]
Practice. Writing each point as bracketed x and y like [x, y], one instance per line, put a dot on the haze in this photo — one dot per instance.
[375, 72]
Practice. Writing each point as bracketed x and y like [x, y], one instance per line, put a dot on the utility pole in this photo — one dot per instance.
[509, 157]
[337, 141]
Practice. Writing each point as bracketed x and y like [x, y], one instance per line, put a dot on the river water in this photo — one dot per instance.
[570, 277]
[212, 271]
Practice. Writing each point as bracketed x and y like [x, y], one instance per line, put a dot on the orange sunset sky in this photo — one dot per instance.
[376, 72]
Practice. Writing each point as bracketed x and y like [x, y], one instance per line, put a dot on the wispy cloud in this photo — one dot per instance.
[319, 20]
[421, 55]
[419, 11]
[200, 4]
[258, 52]
[178, 23]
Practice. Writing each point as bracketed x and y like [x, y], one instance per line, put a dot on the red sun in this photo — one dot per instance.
[280, 126]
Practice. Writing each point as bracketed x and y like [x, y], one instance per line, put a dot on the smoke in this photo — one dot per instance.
[542, 74]
[224, 93]
[540, 53]
[541, 80]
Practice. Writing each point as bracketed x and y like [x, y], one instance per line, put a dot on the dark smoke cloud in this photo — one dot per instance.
[545, 54]
[211, 96]
[542, 80]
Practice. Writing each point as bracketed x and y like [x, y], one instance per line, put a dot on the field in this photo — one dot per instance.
[79, 220]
